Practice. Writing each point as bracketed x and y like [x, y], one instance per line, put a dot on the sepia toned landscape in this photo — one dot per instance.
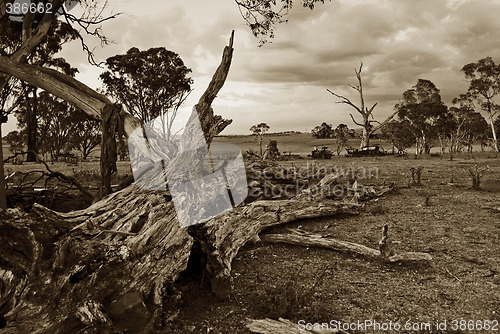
[249, 167]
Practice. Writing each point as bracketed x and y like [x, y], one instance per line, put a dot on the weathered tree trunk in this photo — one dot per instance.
[32, 126]
[365, 136]
[109, 126]
[493, 130]
[3, 197]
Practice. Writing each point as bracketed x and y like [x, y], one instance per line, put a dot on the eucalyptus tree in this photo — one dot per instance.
[422, 107]
[484, 86]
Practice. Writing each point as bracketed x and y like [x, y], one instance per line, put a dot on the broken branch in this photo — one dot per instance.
[300, 238]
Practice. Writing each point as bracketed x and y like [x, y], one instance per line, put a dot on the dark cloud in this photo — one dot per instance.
[284, 82]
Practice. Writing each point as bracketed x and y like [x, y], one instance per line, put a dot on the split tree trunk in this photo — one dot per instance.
[57, 278]
[110, 267]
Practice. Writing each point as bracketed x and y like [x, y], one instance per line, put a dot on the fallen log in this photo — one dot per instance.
[104, 269]
[295, 237]
[109, 267]
[270, 326]
[222, 237]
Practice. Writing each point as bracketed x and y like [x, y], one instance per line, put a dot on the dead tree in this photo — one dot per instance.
[109, 267]
[365, 113]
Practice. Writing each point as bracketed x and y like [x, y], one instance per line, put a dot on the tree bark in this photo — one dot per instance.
[3, 196]
[109, 125]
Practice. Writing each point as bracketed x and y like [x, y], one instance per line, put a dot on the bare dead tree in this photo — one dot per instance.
[365, 112]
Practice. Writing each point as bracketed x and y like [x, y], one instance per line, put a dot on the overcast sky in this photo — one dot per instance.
[284, 82]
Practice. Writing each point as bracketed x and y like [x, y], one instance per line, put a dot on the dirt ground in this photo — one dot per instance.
[458, 226]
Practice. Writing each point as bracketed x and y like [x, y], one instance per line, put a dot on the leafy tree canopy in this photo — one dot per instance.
[262, 15]
[149, 83]
[323, 131]
[399, 134]
[421, 106]
[484, 86]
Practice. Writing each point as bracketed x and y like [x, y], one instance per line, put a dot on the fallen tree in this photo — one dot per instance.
[110, 267]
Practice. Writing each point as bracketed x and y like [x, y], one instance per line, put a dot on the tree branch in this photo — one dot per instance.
[384, 123]
[352, 117]
[346, 101]
[369, 112]
[58, 84]
[34, 39]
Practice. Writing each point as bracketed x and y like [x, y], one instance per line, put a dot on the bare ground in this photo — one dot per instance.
[458, 226]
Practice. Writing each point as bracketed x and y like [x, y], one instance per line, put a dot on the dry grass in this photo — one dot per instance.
[318, 285]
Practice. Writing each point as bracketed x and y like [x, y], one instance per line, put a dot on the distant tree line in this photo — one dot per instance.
[423, 120]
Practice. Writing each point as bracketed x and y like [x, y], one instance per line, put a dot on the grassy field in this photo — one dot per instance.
[301, 144]
[304, 143]
[458, 226]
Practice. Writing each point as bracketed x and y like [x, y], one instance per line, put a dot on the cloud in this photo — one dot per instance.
[284, 82]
